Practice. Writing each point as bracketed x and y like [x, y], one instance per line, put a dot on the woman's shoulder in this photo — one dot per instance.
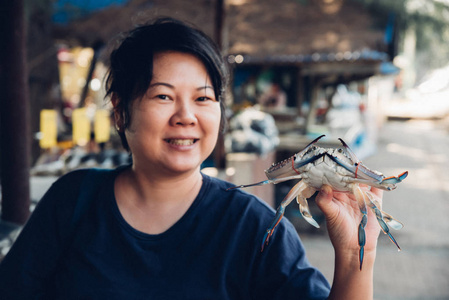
[224, 195]
[74, 179]
[62, 197]
[68, 183]
[67, 188]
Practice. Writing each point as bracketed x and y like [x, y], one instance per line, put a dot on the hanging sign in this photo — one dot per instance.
[48, 128]
[81, 127]
[102, 125]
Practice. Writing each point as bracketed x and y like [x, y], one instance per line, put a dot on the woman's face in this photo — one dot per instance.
[174, 127]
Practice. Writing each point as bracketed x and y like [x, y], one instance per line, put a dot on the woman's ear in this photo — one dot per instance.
[118, 114]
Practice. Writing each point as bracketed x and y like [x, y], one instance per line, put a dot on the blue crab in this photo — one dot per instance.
[339, 168]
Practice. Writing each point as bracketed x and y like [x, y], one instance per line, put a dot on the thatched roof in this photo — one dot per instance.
[272, 27]
[106, 24]
[260, 29]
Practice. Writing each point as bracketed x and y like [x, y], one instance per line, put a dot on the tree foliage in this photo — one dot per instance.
[428, 18]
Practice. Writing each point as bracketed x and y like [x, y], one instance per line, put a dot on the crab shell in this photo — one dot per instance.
[320, 171]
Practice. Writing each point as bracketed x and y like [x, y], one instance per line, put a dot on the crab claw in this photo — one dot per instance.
[394, 180]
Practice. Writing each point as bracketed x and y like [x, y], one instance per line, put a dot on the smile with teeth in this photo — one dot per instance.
[182, 142]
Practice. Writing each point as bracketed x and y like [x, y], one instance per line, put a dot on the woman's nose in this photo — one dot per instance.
[184, 114]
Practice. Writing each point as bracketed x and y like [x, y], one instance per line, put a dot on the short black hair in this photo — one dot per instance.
[131, 63]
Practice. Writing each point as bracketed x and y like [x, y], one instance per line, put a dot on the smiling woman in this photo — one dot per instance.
[159, 228]
[132, 64]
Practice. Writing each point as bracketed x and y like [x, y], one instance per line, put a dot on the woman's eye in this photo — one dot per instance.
[202, 99]
[162, 97]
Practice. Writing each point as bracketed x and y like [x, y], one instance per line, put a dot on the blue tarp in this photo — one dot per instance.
[69, 10]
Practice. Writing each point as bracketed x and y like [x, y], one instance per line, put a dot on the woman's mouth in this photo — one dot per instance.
[181, 142]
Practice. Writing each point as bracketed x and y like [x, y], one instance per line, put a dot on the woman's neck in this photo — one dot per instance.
[152, 204]
[149, 183]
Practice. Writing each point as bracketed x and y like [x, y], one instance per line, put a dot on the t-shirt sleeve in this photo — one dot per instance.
[32, 259]
[283, 271]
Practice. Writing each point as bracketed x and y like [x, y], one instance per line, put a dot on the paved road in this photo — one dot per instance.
[421, 202]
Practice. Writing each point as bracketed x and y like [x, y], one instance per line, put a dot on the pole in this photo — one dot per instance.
[14, 114]
[220, 13]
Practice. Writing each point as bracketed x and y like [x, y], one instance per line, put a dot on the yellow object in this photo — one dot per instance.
[65, 144]
[102, 126]
[48, 128]
[81, 127]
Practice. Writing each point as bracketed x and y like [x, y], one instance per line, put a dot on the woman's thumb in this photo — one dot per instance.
[324, 198]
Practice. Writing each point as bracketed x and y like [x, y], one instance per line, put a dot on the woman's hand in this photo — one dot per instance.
[343, 217]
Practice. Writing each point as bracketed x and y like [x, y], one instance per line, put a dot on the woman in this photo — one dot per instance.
[160, 229]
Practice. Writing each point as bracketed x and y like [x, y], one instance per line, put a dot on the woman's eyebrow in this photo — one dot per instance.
[205, 87]
[155, 84]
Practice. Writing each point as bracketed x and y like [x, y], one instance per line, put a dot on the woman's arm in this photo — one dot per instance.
[343, 217]
[31, 261]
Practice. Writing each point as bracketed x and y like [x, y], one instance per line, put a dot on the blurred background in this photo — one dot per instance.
[374, 73]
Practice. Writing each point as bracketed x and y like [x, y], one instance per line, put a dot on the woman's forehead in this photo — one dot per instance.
[173, 66]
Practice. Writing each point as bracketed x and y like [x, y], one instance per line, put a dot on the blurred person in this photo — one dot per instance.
[274, 97]
[159, 228]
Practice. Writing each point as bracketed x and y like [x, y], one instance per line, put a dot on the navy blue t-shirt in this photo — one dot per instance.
[212, 252]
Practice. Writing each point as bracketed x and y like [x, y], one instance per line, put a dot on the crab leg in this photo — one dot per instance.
[274, 181]
[295, 191]
[381, 221]
[392, 222]
[360, 197]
